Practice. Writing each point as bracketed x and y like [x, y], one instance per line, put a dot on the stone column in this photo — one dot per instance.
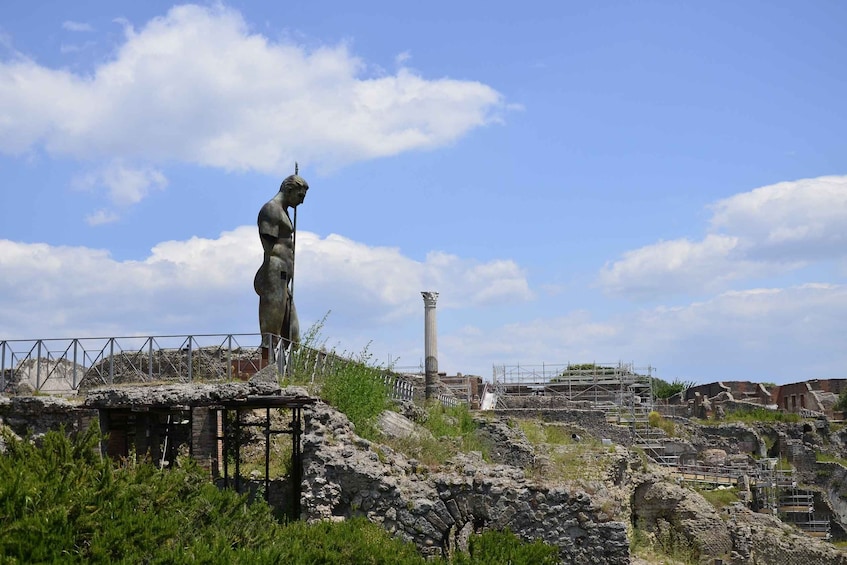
[430, 344]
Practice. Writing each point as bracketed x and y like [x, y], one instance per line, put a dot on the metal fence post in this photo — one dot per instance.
[229, 357]
[190, 360]
[38, 366]
[280, 358]
[2, 366]
[76, 344]
[150, 358]
[111, 360]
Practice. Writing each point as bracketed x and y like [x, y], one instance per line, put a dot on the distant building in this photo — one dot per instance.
[464, 387]
[815, 395]
[747, 391]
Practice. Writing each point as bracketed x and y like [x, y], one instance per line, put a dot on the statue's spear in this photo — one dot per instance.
[293, 244]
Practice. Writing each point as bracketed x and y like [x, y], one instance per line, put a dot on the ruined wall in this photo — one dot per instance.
[346, 476]
[39, 414]
[592, 421]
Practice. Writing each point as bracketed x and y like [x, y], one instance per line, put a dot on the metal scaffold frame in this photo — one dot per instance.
[603, 385]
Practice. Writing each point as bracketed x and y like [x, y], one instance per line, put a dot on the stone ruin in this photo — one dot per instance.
[344, 475]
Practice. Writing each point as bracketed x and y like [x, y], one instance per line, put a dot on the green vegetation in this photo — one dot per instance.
[753, 416]
[719, 498]
[353, 386]
[656, 420]
[583, 367]
[357, 389]
[64, 503]
[585, 460]
[841, 403]
[452, 431]
[577, 369]
[761, 415]
[822, 457]
[668, 546]
[664, 390]
[502, 547]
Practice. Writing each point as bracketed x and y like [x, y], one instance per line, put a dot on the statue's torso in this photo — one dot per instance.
[276, 233]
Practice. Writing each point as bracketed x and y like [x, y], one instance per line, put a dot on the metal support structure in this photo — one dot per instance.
[232, 440]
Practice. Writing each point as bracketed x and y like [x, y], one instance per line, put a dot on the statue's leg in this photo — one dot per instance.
[293, 325]
[271, 288]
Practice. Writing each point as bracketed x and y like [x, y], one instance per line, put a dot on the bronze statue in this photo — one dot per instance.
[274, 279]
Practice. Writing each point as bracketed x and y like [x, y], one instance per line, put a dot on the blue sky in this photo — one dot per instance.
[660, 183]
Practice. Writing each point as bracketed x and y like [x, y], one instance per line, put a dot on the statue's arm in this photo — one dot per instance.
[268, 231]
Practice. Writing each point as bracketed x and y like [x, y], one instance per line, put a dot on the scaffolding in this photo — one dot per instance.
[605, 385]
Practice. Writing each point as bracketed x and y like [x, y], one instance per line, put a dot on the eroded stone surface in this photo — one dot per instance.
[184, 394]
[346, 476]
[760, 538]
[660, 506]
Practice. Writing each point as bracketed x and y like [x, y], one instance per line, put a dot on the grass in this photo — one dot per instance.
[720, 498]
[569, 459]
[656, 420]
[668, 547]
[452, 431]
[761, 415]
[352, 384]
[822, 457]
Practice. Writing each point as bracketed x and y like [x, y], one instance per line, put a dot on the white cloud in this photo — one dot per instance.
[798, 220]
[323, 263]
[673, 266]
[197, 85]
[76, 26]
[769, 334]
[206, 285]
[124, 185]
[101, 216]
[772, 229]
[66, 48]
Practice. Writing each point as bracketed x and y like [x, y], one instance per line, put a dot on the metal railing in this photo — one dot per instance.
[66, 364]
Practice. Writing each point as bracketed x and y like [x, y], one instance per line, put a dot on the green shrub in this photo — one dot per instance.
[719, 498]
[506, 548]
[761, 415]
[453, 430]
[656, 420]
[841, 403]
[357, 389]
[64, 503]
[664, 390]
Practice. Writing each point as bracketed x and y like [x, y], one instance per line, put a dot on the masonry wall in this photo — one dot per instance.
[206, 450]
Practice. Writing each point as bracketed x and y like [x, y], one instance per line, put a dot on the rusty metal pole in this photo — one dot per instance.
[430, 345]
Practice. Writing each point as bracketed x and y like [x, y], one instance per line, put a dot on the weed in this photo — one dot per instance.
[719, 498]
[656, 420]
